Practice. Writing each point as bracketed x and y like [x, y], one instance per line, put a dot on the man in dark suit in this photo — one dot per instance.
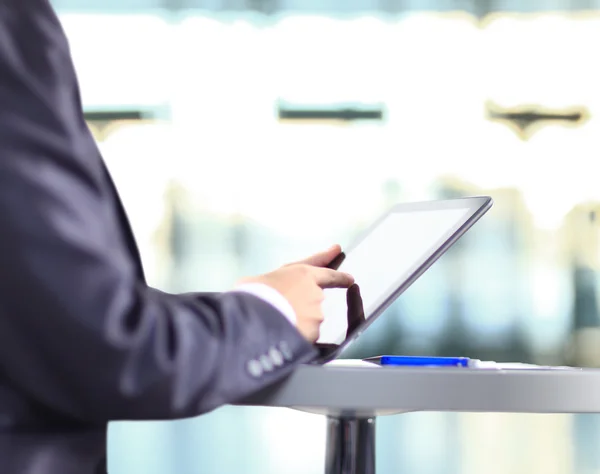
[83, 339]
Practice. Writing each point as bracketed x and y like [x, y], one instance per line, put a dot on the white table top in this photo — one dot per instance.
[367, 391]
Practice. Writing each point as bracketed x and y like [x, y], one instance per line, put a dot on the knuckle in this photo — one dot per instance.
[306, 269]
[302, 269]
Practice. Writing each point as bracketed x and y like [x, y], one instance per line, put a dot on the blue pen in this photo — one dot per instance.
[419, 361]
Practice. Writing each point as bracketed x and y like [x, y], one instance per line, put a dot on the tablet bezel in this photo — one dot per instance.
[477, 205]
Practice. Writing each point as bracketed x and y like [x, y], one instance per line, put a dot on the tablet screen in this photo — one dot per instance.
[388, 254]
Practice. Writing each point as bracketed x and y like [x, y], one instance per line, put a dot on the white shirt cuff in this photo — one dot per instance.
[271, 296]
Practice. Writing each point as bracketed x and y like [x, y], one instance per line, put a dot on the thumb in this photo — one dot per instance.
[324, 258]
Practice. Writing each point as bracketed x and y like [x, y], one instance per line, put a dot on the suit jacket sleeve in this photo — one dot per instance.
[81, 333]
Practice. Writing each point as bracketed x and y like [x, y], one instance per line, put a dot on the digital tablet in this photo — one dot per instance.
[390, 256]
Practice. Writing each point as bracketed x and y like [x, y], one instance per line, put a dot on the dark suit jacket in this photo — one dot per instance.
[83, 339]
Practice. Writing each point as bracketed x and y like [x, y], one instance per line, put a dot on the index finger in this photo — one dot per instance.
[328, 278]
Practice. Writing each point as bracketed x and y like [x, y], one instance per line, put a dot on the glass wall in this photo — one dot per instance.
[242, 140]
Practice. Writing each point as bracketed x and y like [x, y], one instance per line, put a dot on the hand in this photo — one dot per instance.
[355, 314]
[333, 258]
[302, 284]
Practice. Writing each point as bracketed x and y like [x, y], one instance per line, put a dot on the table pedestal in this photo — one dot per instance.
[350, 445]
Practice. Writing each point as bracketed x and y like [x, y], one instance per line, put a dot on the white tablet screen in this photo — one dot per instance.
[388, 255]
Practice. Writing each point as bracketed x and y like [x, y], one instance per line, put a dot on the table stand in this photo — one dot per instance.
[350, 445]
[351, 398]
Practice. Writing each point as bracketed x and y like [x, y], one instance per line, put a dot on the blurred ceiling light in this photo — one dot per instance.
[528, 119]
[329, 113]
[107, 121]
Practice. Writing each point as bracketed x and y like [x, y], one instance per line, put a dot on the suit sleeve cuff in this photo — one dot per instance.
[271, 296]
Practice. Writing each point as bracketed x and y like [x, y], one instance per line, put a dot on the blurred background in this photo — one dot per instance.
[244, 134]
